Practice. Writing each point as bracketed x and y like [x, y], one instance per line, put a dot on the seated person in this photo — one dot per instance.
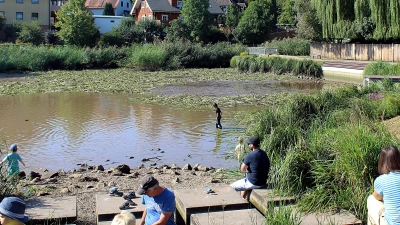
[124, 218]
[386, 188]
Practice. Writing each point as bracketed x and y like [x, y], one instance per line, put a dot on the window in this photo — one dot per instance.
[112, 21]
[35, 1]
[20, 1]
[2, 13]
[35, 16]
[150, 17]
[19, 15]
[127, 5]
[179, 4]
[122, 4]
[143, 4]
[224, 9]
[143, 17]
[164, 17]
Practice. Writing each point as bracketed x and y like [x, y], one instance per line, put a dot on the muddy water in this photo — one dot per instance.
[60, 130]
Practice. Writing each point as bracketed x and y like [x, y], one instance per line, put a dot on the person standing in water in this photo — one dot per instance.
[219, 116]
[12, 159]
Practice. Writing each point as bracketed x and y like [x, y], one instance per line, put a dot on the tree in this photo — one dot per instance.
[385, 15]
[126, 29]
[30, 33]
[177, 30]
[76, 24]
[197, 18]
[3, 20]
[256, 22]
[108, 10]
[233, 16]
[308, 25]
[287, 16]
[150, 30]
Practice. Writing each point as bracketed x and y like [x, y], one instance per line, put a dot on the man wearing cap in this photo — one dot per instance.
[159, 202]
[12, 211]
[256, 164]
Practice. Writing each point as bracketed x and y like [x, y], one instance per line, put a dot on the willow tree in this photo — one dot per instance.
[336, 17]
[385, 15]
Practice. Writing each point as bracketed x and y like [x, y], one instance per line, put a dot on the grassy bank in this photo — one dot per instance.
[325, 147]
[382, 68]
[159, 56]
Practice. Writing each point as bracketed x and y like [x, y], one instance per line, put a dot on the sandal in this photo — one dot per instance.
[124, 205]
[130, 195]
[114, 191]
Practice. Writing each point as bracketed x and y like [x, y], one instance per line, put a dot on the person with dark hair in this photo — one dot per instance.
[256, 164]
[12, 159]
[384, 204]
[159, 201]
[219, 116]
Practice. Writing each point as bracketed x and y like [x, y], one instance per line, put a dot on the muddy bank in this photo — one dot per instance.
[85, 183]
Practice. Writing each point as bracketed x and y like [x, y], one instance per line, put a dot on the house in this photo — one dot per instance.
[121, 7]
[106, 23]
[55, 6]
[167, 10]
[25, 11]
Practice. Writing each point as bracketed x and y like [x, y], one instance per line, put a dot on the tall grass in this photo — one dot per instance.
[290, 46]
[324, 147]
[276, 65]
[382, 68]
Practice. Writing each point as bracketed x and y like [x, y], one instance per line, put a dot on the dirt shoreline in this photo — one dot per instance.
[86, 183]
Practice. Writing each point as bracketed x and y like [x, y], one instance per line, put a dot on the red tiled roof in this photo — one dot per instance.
[100, 3]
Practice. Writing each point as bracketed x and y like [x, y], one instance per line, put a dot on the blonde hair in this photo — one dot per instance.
[124, 218]
[240, 140]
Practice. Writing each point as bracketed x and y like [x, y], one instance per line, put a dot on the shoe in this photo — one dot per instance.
[130, 195]
[114, 191]
[124, 205]
[130, 202]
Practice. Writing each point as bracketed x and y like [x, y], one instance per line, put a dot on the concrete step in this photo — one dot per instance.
[108, 206]
[46, 210]
[262, 198]
[237, 217]
[196, 200]
[341, 218]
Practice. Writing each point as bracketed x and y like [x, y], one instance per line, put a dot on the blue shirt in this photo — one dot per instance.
[13, 159]
[257, 163]
[388, 185]
[164, 202]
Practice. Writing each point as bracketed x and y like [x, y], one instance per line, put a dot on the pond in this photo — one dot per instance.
[61, 130]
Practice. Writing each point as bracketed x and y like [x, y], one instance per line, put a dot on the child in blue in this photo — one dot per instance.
[12, 160]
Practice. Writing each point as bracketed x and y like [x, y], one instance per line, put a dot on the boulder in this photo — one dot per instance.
[88, 179]
[99, 167]
[22, 174]
[187, 167]
[52, 180]
[202, 168]
[61, 172]
[101, 185]
[64, 191]
[123, 168]
[49, 175]
[35, 180]
[42, 193]
[175, 167]
[196, 166]
[34, 174]
[81, 169]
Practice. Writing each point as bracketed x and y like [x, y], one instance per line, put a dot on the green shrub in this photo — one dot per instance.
[290, 46]
[111, 39]
[147, 57]
[382, 68]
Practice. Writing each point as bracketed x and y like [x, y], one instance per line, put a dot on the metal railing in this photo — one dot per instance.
[262, 51]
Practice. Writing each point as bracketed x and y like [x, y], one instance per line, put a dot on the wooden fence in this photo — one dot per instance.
[361, 52]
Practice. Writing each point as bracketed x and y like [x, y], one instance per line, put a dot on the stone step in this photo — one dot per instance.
[341, 218]
[108, 206]
[237, 217]
[262, 198]
[196, 200]
[45, 210]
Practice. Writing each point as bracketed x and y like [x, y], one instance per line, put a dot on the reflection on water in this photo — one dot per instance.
[59, 130]
[347, 77]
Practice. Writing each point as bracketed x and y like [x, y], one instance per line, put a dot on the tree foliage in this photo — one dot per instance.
[150, 30]
[197, 18]
[256, 22]
[386, 17]
[76, 24]
[287, 15]
[108, 10]
[233, 16]
[3, 20]
[177, 30]
[30, 33]
[127, 30]
[308, 25]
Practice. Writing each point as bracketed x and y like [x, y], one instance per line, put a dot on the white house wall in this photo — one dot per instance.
[97, 11]
[106, 23]
[126, 6]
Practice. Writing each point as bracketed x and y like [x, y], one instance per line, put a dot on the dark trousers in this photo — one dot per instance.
[218, 123]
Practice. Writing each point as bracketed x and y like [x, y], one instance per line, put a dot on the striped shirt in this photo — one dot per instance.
[388, 185]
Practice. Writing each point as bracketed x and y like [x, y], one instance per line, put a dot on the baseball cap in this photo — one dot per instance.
[147, 182]
[253, 140]
[13, 147]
